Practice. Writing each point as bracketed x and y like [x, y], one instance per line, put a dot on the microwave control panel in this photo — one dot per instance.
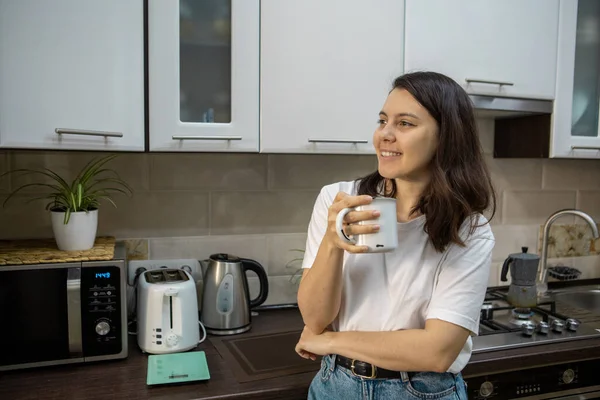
[101, 299]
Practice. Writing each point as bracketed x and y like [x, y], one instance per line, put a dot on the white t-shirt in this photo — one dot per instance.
[403, 288]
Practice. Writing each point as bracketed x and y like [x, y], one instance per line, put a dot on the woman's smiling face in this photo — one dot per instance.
[406, 138]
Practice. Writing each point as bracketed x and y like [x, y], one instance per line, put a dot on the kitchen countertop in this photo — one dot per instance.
[126, 379]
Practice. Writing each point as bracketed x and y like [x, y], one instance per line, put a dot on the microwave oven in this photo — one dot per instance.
[63, 313]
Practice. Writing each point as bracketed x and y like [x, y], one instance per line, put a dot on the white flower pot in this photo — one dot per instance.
[79, 233]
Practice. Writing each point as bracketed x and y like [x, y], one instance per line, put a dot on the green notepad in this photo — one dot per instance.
[177, 368]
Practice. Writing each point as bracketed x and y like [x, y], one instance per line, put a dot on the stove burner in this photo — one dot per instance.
[522, 313]
[520, 316]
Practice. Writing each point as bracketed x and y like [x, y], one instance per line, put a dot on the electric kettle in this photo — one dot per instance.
[226, 302]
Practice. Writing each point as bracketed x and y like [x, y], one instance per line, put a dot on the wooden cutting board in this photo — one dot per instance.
[42, 251]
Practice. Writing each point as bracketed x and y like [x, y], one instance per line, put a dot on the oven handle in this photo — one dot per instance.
[587, 395]
[589, 392]
[74, 311]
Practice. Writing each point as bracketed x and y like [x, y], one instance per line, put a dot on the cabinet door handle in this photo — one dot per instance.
[177, 137]
[470, 80]
[337, 141]
[65, 131]
[585, 148]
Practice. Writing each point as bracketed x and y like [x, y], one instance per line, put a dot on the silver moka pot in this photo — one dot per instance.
[226, 302]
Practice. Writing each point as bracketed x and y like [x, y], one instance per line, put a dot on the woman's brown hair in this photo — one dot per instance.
[460, 184]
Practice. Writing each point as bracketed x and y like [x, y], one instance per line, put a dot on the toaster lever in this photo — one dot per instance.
[171, 292]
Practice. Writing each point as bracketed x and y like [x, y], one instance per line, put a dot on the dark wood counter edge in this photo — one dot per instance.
[126, 379]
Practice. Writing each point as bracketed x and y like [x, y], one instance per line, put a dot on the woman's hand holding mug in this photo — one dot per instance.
[344, 201]
[361, 224]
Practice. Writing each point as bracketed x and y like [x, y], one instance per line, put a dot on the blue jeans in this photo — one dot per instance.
[334, 382]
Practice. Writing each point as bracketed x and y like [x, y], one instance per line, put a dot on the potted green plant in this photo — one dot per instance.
[74, 206]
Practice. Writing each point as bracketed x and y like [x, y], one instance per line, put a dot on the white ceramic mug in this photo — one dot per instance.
[386, 239]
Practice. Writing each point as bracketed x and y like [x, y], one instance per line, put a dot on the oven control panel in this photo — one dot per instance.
[535, 381]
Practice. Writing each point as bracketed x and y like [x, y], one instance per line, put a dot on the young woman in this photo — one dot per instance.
[399, 324]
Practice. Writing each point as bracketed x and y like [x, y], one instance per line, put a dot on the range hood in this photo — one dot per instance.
[522, 125]
[495, 105]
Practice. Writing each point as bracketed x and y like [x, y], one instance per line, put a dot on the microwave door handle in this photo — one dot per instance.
[74, 311]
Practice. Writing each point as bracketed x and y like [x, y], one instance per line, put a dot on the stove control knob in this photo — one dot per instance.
[542, 328]
[568, 376]
[528, 328]
[486, 389]
[572, 324]
[558, 326]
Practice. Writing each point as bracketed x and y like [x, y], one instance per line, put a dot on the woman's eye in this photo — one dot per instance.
[405, 123]
[381, 122]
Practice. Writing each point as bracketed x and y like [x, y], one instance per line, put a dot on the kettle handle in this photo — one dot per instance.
[262, 278]
[505, 269]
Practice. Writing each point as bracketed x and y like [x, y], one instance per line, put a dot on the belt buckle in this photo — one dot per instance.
[373, 371]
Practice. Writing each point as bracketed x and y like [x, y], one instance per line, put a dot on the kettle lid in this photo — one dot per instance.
[224, 257]
[524, 255]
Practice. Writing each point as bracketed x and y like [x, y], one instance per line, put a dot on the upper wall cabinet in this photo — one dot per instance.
[203, 75]
[72, 74]
[575, 128]
[502, 47]
[326, 69]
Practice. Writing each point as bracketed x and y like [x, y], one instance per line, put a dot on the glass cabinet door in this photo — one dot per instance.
[586, 76]
[205, 61]
[203, 75]
[576, 131]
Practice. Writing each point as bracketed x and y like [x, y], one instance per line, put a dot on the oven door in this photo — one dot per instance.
[40, 309]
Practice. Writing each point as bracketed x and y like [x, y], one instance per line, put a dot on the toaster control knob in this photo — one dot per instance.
[102, 328]
[172, 339]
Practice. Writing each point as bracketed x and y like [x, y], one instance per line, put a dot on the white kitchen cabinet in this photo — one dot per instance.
[203, 64]
[506, 47]
[575, 128]
[326, 69]
[72, 74]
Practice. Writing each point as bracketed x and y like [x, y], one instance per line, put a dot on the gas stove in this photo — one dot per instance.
[503, 326]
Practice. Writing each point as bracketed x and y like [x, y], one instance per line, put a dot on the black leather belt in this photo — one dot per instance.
[366, 370]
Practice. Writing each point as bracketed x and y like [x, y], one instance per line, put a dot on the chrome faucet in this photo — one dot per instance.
[542, 285]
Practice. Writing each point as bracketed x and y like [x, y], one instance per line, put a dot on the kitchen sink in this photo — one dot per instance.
[586, 298]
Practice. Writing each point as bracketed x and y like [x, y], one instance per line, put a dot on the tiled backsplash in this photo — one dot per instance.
[258, 206]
